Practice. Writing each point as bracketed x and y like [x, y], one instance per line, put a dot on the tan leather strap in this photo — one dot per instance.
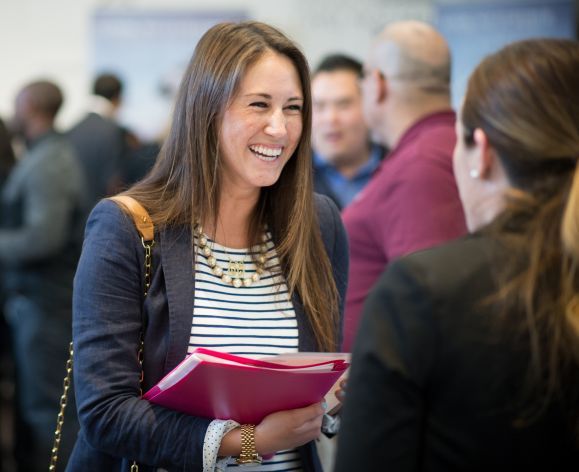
[140, 216]
[146, 229]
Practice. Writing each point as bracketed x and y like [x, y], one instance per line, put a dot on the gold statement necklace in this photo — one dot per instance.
[235, 272]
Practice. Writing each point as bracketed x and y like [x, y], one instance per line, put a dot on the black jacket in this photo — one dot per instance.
[435, 384]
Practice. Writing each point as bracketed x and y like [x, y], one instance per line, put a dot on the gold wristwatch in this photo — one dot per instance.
[249, 455]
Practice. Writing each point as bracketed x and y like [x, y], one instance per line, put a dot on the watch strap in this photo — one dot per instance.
[249, 453]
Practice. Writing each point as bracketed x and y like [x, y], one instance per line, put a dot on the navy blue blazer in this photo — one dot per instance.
[109, 309]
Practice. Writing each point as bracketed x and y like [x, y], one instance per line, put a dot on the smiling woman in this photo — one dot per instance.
[262, 126]
[246, 261]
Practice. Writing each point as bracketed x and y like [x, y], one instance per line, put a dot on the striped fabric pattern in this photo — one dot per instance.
[251, 321]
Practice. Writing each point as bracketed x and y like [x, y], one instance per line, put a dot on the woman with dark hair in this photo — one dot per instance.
[246, 260]
[468, 354]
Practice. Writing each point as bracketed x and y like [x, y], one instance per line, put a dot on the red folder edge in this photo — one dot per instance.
[257, 362]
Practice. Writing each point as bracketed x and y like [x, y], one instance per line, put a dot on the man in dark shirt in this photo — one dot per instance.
[43, 212]
[100, 142]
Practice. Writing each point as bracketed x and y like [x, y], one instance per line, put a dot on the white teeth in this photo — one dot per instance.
[265, 158]
[266, 152]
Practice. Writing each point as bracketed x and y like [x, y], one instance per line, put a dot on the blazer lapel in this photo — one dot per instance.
[176, 257]
[177, 262]
[306, 340]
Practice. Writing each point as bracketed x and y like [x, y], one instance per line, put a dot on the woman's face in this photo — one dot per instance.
[262, 126]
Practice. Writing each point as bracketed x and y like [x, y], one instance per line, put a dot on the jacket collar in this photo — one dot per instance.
[177, 261]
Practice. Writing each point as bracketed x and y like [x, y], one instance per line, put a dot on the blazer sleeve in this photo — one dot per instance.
[107, 301]
[392, 358]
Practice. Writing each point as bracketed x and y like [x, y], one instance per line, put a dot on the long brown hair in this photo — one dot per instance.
[526, 99]
[184, 186]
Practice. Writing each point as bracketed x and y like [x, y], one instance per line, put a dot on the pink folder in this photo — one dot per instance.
[225, 386]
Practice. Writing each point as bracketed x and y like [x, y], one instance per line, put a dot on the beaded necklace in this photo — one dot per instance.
[235, 272]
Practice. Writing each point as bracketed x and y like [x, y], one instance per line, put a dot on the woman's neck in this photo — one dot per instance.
[232, 226]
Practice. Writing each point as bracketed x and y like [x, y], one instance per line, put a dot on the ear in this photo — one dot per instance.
[375, 86]
[381, 85]
[486, 158]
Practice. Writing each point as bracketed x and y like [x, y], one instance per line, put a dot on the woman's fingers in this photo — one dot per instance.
[341, 391]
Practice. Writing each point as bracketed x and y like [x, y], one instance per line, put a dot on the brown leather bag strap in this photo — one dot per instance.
[140, 216]
[146, 229]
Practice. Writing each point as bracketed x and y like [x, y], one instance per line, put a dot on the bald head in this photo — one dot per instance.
[406, 77]
[413, 55]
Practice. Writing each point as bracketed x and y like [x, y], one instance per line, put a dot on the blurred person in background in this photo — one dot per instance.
[7, 161]
[467, 356]
[344, 158]
[411, 202]
[43, 208]
[101, 144]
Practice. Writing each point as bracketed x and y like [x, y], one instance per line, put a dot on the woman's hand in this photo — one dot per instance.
[341, 391]
[288, 429]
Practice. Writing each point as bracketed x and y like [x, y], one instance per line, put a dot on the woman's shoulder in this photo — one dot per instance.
[332, 231]
[108, 220]
[466, 261]
[326, 210]
[107, 209]
[473, 244]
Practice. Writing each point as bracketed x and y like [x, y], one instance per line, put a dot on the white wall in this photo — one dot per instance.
[50, 38]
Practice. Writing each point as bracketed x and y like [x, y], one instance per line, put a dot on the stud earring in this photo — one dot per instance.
[474, 174]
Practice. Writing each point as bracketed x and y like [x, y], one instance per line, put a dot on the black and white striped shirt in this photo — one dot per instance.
[251, 321]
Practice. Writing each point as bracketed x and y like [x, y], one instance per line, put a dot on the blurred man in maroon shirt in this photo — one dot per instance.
[412, 201]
